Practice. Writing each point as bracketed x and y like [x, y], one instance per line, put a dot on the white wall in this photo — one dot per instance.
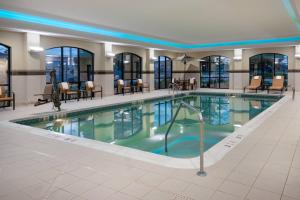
[25, 65]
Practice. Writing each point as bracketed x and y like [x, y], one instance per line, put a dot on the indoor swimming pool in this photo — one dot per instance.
[142, 125]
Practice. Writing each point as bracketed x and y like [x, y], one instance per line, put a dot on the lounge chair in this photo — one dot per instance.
[141, 85]
[277, 84]
[192, 83]
[64, 89]
[7, 97]
[46, 96]
[255, 84]
[90, 87]
[122, 87]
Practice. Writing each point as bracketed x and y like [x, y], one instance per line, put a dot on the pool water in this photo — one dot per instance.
[142, 125]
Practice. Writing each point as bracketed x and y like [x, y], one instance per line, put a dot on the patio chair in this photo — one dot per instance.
[4, 97]
[255, 84]
[64, 88]
[141, 85]
[122, 87]
[46, 95]
[277, 84]
[192, 83]
[90, 87]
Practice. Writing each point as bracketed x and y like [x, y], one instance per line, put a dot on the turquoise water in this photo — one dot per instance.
[143, 125]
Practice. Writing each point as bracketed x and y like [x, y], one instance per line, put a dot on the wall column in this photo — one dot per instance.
[149, 75]
[237, 74]
[104, 74]
[296, 69]
[33, 68]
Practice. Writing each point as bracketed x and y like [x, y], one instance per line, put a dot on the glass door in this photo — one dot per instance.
[162, 72]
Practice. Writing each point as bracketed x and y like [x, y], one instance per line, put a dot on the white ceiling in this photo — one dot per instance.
[188, 21]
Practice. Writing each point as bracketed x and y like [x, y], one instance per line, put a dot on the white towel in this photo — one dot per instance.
[121, 82]
[140, 81]
[90, 84]
[192, 80]
[65, 85]
[256, 77]
[278, 77]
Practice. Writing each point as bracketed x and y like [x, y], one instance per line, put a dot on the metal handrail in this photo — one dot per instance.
[200, 117]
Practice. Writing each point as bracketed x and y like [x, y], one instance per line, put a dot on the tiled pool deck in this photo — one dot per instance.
[264, 165]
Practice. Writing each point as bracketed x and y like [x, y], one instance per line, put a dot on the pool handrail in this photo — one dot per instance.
[201, 120]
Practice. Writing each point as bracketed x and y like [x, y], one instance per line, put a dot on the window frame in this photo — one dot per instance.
[260, 68]
[137, 72]
[208, 61]
[158, 61]
[78, 82]
[8, 83]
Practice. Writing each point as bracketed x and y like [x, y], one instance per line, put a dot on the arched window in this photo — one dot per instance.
[214, 72]
[162, 72]
[73, 65]
[268, 65]
[5, 71]
[128, 67]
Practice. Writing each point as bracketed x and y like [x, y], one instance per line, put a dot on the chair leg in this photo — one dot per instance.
[14, 101]
[101, 92]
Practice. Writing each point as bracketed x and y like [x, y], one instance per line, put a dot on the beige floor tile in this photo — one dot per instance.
[159, 195]
[98, 178]
[207, 181]
[100, 192]
[137, 190]
[16, 195]
[258, 194]
[235, 189]
[151, 179]
[60, 195]
[39, 191]
[117, 183]
[198, 192]
[284, 197]
[83, 172]
[275, 185]
[292, 191]
[173, 185]
[6, 187]
[80, 187]
[223, 196]
[241, 177]
[120, 196]
[48, 175]
[63, 180]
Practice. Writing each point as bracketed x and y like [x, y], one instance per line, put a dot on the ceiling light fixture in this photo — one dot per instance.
[35, 49]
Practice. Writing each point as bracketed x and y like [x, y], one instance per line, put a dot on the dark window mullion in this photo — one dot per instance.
[78, 70]
[62, 63]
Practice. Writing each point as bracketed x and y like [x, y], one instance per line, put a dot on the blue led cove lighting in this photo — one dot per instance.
[17, 16]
